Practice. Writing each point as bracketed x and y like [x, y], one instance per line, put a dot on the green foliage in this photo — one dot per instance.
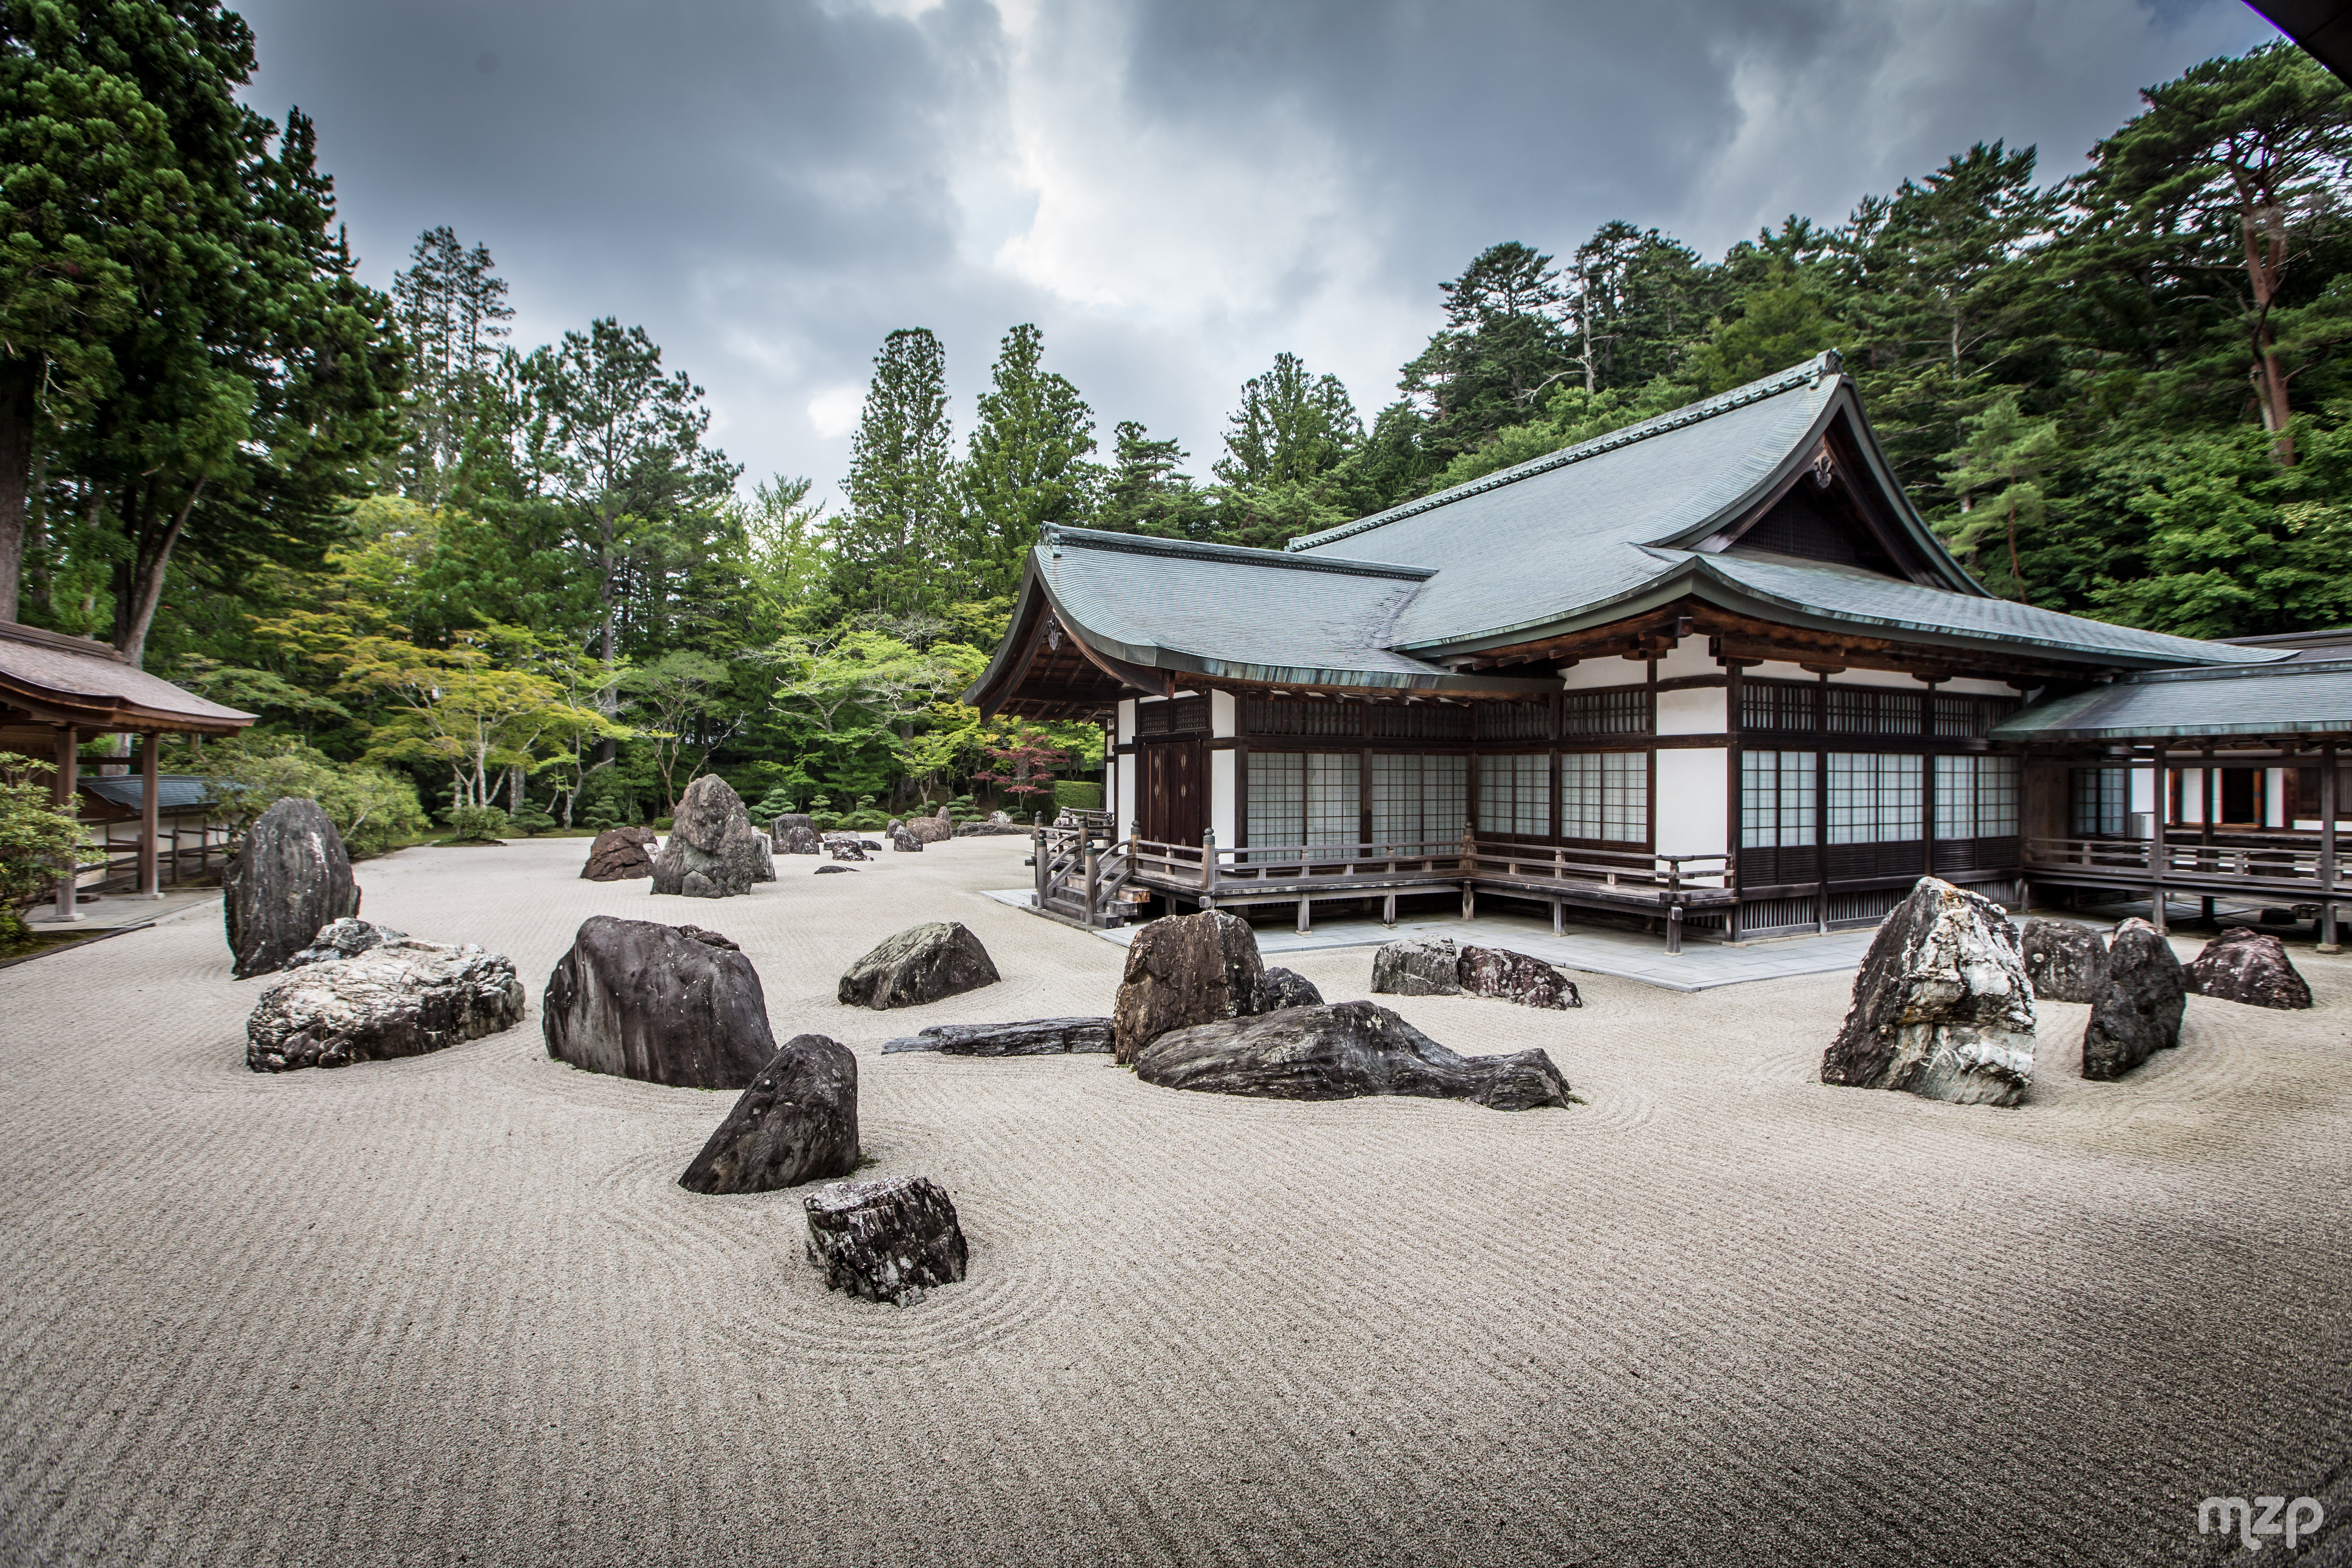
[37, 840]
[1028, 467]
[1078, 794]
[475, 823]
[777, 802]
[371, 808]
[602, 813]
[532, 818]
[890, 549]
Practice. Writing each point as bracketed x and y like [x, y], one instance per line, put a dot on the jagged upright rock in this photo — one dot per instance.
[890, 1239]
[290, 877]
[797, 1123]
[2136, 1010]
[1338, 1053]
[921, 964]
[1942, 1008]
[846, 847]
[1288, 988]
[2248, 966]
[780, 827]
[1183, 970]
[620, 854]
[1418, 966]
[2066, 962]
[905, 843]
[674, 1005]
[713, 852]
[393, 998]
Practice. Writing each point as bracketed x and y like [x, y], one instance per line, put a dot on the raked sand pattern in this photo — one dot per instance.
[456, 1309]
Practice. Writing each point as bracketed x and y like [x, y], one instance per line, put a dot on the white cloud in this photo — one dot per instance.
[833, 412]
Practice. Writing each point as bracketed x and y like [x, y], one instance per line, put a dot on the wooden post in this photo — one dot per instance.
[1306, 921]
[1208, 859]
[1674, 931]
[1559, 917]
[1038, 865]
[64, 783]
[1093, 875]
[1469, 871]
[2158, 799]
[2327, 808]
[1388, 910]
[150, 820]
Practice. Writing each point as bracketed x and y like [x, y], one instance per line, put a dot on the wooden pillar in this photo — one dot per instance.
[2159, 799]
[2327, 808]
[64, 783]
[150, 815]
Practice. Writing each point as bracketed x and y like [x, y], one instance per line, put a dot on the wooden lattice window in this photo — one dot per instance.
[1615, 710]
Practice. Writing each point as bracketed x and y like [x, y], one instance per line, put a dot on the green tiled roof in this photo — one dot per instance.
[2297, 697]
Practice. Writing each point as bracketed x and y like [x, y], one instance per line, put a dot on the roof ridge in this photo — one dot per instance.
[1810, 373]
[1053, 537]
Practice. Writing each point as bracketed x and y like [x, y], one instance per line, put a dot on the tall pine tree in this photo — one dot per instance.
[1028, 466]
[890, 548]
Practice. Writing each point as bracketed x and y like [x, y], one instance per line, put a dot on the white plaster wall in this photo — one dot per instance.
[2274, 797]
[1698, 711]
[1774, 670]
[1125, 721]
[1123, 804]
[1221, 797]
[1688, 657]
[1607, 670]
[1223, 715]
[1693, 800]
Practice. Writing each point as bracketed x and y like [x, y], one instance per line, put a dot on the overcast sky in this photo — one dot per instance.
[1173, 190]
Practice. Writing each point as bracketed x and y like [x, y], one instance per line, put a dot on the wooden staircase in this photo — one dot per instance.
[1081, 880]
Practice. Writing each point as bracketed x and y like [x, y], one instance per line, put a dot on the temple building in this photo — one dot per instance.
[1713, 670]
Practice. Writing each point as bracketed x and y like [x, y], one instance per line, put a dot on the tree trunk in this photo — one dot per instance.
[18, 382]
[134, 612]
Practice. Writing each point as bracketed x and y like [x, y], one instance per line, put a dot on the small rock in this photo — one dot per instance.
[1514, 977]
[796, 1122]
[343, 939]
[1183, 970]
[289, 878]
[1037, 1037]
[1418, 966]
[921, 964]
[1942, 1006]
[828, 870]
[1341, 1052]
[2275, 917]
[872, 845]
[397, 999]
[2066, 962]
[620, 854]
[846, 848]
[905, 843]
[889, 1239]
[671, 1005]
[2248, 966]
[2136, 1010]
[1288, 988]
[798, 837]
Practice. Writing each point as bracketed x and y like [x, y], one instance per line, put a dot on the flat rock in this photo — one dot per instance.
[398, 997]
[1514, 977]
[932, 829]
[2136, 1011]
[2248, 966]
[1942, 1006]
[846, 848]
[343, 939]
[289, 878]
[1037, 1037]
[669, 1004]
[921, 964]
[1418, 966]
[889, 1239]
[1183, 970]
[826, 870]
[797, 1123]
[713, 851]
[620, 854]
[2066, 962]
[1288, 988]
[1341, 1052]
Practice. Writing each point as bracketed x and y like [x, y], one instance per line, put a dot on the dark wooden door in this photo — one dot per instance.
[1175, 791]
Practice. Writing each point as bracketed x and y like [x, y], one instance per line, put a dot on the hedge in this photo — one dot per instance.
[1077, 795]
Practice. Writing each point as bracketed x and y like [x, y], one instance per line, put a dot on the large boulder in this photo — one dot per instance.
[905, 842]
[399, 997]
[1183, 970]
[672, 1004]
[620, 854]
[343, 939]
[2066, 962]
[1338, 1053]
[921, 964]
[797, 1123]
[891, 1238]
[2249, 967]
[2136, 1010]
[1942, 1008]
[1037, 1037]
[290, 877]
[1418, 966]
[1287, 988]
[1514, 977]
[932, 829]
[763, 857]
[713, 850]
[794, 834]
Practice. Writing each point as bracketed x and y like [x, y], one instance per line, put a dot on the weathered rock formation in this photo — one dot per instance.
[1418, 966]
[672, 1004]
[1288, 988]
[890, 1240]
[921, 964]
[343, 939]
[619, 855]
[713, 851]
[797, 1123]
[905, 843]
[2248, 966]
[1183, 970]
[794, 834]
[2066, 962]
[290, 877]
[398, 997]
[846, 848]
[932, 829]
[1942, 1008]
[1037, 1037]
[1338, 1053]
[1514, 977]
[764, 858]
[2136, 1010]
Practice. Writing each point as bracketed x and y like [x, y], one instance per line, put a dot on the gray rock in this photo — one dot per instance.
[619, 855]
[779, 827]
[1037, 1037]
[2248, 966]
[932, 829]
[2135, 1012]
[893, 827]
[921, 964]
[1942, 1008]
[397, 997]
[1418, 966]
[713, 851]
[905, 843]
[889, 1239]
[2066, 962]
[797, 1123]
[828, 870]
[1288, 988]
[764, 859]
[1341, 1052]
[289, 878]
[671, 1005]
[794, 834]
[343, 939]
[846, 848]
[1183, 970]
[1514, 977]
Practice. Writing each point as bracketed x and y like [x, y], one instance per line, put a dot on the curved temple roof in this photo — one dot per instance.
[53, 679]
